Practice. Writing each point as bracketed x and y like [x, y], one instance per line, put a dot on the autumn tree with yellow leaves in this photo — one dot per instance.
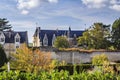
[30, 60]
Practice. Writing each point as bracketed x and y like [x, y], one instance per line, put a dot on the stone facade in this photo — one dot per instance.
[10, 48]
[11, 40]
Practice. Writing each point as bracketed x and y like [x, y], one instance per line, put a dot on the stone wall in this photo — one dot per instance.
[10, 48]
[77, 57]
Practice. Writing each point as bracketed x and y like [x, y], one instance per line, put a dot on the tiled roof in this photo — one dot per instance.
[10, 36]
[57, 33]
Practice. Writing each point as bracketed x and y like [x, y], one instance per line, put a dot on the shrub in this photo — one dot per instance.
[55, 75]
[30, 61]
[99, 59]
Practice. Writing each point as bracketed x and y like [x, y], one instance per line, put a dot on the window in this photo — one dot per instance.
[17, 40]
[2, 39]
[17, 46]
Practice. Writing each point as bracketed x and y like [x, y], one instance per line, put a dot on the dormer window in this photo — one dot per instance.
[53, 39]
[17, 39]
[45, 40]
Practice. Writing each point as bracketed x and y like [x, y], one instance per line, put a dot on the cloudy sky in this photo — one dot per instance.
[52, 14]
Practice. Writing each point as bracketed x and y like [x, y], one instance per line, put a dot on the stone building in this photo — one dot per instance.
[11, 40]
[47, 37]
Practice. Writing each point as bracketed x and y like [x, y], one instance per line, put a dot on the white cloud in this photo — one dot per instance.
[26, 5]
[24, 12]
[112, 4]
[95, 3]
[53, 1]
[114, 1]
[115, 7]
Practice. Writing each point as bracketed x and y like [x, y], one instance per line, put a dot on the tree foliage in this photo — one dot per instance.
[61, 42]
[116, 33]
[4, 24]
[31, 61]
[3, 57]
[95, 37]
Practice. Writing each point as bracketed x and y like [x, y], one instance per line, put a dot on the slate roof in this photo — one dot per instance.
[23, 36]
[58, 33]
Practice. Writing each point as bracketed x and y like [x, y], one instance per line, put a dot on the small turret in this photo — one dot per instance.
[69, 33]
[36, 38]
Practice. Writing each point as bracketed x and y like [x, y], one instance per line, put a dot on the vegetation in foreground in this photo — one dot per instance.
[104, 72]
[55, 75]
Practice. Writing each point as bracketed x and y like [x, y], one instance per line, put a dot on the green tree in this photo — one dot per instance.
[116, 34]
[3, 58]
[96, 37]
[4, 24]
[61, 42]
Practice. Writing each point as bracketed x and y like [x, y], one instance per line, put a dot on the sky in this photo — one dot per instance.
[26, 15]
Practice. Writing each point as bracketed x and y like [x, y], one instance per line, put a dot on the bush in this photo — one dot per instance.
[99, 59]
[55, 75]
[72, 68]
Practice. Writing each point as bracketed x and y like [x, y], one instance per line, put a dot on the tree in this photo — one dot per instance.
[116, 33]
[61, 42]
[4, 24]
[96, 37]
[31, 61]
[3, 58]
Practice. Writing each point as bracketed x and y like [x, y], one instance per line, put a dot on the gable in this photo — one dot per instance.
[2, 35]
[17, 35]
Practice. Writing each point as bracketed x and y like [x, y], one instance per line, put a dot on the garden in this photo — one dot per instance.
[28, 66]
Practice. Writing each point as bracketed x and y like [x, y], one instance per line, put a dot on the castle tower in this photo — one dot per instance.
[36, 39]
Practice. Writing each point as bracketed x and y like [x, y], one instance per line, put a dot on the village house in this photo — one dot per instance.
[11, 40]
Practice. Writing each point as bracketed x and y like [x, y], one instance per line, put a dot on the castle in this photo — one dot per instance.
[47, 37]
